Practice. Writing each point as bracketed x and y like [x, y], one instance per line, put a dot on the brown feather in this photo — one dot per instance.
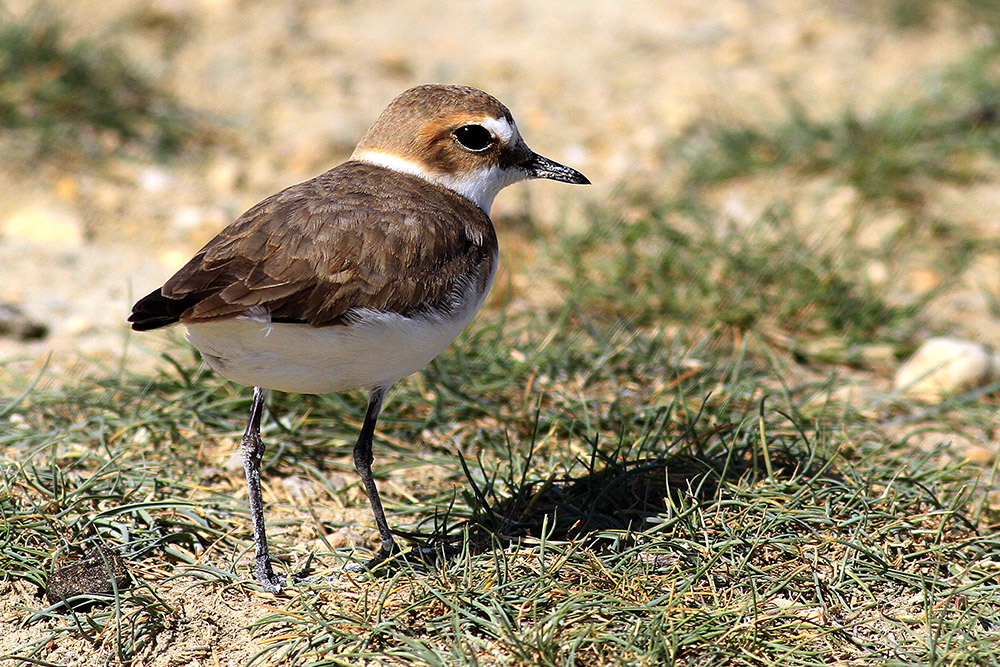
[357, 236]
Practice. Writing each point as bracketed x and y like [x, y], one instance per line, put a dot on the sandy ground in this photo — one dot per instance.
[602, 86]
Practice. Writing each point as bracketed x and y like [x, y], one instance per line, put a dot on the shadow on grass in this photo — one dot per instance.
[616, 499]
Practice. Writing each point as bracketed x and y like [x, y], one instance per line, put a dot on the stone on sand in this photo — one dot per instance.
[943, 366]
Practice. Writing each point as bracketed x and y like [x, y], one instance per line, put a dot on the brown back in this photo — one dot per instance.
[357, 236]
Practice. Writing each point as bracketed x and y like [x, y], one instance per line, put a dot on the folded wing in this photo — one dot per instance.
[357, 236]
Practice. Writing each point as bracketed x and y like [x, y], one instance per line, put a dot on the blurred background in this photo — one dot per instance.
[824, 173]
[695, 371]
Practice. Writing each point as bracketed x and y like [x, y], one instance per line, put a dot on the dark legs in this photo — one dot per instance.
[253, 452]
[363, 464]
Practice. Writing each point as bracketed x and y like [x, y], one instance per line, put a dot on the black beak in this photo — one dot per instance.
[541, 167]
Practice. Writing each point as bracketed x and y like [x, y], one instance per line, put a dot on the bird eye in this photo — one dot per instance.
[474, 137]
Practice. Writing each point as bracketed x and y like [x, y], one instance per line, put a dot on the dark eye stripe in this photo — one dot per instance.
[474, 137]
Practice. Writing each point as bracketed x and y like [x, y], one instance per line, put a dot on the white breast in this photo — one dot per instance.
[376, 349]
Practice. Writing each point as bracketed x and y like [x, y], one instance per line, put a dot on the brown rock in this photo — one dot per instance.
[90, 576]
[15, 324]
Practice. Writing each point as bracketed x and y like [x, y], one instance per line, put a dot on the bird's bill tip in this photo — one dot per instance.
[541, 167]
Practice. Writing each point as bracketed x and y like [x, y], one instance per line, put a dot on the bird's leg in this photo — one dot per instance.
[363, 464]
[253, 452]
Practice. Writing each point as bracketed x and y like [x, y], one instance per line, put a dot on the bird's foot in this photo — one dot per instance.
[269, 581]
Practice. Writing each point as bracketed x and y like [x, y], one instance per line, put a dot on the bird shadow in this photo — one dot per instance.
[615, 499]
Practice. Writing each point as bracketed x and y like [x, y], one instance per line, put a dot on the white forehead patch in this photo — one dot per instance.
[501, 128]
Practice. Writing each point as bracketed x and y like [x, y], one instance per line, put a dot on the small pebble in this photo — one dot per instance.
[944, 366]
[345, 537]
[76, 325]
[15, 324]
[155, 180]
[979, 455]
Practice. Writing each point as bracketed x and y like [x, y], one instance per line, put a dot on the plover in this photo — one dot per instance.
[358, 277]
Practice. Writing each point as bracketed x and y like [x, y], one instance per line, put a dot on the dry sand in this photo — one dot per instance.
[603, 86]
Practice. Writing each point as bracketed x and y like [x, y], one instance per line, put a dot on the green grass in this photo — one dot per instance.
[78, 96]
[668, 469]
[889, 156]
[625, 499]
[678, 263]
[919, 14]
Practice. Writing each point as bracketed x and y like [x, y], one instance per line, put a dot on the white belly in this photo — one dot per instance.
[377, 350]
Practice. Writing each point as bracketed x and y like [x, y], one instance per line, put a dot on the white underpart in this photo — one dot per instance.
[481, 185]
[375, 350]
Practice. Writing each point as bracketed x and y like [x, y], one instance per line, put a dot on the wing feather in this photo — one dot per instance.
[358, 236]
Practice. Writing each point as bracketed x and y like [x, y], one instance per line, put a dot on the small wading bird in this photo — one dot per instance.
[358, 277]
